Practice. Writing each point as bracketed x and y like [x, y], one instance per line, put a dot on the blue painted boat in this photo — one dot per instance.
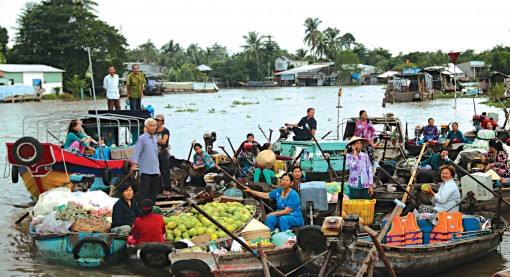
[81, 249]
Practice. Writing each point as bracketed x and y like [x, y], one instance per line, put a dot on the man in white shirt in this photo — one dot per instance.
[111, 85]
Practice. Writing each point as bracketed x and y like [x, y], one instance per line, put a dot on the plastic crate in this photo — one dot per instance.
[361, 207]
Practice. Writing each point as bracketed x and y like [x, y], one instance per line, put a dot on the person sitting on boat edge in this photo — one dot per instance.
[245, 148]
[496, 158]
[202, 164]
[149, 227]
[361, 178]
[435, 161]
[307, 122]
[75, 139]
[267, 171]
[298, 178]
[288, 214]
[447, 197]
[430, 132]
[365, 129]
[456, 136]
[490, 127]
[124, 211]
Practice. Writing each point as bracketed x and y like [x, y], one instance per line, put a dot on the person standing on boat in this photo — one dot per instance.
[125, 210]
[75, 139]
[307, 122]
[365, 129]
[163, 136]
[361, 178]
[145, 158]
[288, 214]
[456, 136]
[111, 85]
[135, 82]
[447, 197]
[149, 227]
[430, 132]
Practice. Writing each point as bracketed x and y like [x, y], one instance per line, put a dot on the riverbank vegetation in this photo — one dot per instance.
[79, 29]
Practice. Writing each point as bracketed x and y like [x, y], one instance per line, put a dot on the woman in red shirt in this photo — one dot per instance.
[149, 227]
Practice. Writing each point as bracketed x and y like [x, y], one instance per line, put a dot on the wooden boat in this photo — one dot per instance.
[409, 87]
[237, 264]
[46, 165]
[18, 93]
[419, 260]
[81, 249]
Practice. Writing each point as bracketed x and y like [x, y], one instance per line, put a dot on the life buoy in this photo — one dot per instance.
[14, 174]
[27, 151]
[191, 265]
[155, 255]
[107, 176]
[310, 238]
[77, 247]
[126, 167]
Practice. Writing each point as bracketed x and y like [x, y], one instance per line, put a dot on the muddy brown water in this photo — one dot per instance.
[230, 113]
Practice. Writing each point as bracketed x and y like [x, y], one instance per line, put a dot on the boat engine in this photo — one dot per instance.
[417, 132]
[214, 182]
[82, 182]
[445, 128]
[284, 132]
[209, 139]
[350, 227]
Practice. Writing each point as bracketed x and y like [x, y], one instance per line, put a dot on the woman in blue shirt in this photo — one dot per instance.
[202, 164]
[288, 214]
[456, 136]
[75, 139]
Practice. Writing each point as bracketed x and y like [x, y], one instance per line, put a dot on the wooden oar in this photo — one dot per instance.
[182, 204]
[191, 149]
[264, 134]
[236, 238]
[396, 211]
[242, 186]
[232, 160]
[297, 158]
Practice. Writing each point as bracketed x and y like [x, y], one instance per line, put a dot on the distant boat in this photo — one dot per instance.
[188, 87]
[18, 93]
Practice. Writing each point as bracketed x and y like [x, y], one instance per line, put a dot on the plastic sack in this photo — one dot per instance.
[101, 199]
[80, 197]
[51, 225]
[51, 199]
[280, 239]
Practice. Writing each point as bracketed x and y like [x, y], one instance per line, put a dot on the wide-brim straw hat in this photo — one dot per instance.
[354, 139]
[266, 158]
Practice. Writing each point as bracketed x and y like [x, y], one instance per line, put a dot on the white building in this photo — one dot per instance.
[43, 76]
[283, 63]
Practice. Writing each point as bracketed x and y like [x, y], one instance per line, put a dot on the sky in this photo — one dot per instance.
[397, 25]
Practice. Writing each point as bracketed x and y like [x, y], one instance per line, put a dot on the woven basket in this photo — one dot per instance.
[84, 224]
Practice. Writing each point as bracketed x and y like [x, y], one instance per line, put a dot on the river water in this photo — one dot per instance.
[230, 113]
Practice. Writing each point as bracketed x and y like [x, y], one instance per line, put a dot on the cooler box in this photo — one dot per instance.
[362, 207]
[467, 184]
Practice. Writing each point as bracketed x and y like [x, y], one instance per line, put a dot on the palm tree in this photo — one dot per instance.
[87, 4]
[347, 40]
[149, 52]
[333, 42]
[253, 48]
[301, 54]
[320, 45]
[311, 32]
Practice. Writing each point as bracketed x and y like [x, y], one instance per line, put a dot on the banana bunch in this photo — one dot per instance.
[263, 243]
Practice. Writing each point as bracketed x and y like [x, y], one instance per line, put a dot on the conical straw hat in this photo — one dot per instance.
[266, 158]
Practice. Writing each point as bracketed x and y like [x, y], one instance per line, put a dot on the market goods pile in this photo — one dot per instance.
[188, 225]
[61, 211]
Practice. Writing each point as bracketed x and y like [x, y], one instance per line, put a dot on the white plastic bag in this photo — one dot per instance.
[101, 199]
[51, 225]
[51, 199]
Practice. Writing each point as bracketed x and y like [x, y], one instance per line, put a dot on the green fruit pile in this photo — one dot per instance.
[232, 215]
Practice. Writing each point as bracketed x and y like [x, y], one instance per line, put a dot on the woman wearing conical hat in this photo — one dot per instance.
[360, 170]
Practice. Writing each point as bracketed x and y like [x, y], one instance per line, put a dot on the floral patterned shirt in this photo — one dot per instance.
[365, 130]
[430, 131]
[361, 167]
[203, 159]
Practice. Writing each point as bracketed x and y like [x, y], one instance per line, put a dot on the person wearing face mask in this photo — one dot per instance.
[145, 158]
[361, 177]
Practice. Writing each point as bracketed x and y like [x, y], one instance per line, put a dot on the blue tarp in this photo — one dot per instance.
[355, 76]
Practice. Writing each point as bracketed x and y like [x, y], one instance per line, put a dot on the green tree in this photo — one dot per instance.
[189, 73]
[311, 33]
[347, 41]
[58, 32]
[301, 54]
[333, 42]
[75, 84]
[4, 39]
[253, 49]
[347, 62]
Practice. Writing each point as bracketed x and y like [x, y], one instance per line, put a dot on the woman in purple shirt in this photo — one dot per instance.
[361, 178]
[365, 129]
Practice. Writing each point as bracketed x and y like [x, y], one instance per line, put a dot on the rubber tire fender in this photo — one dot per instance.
[190, 265]
[149, 259]
[126, 167]
[311, 233]
[14, 174]
[77, 247]
[107, 176]
[27, 141]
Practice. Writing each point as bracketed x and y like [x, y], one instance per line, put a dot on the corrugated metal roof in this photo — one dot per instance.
[305, 68]
[28, 68]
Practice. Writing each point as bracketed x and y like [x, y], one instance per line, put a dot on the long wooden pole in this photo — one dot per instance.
[377, 244]
[396, 211]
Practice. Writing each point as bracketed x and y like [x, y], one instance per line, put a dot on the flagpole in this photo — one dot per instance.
[455, 85]
[95, 101]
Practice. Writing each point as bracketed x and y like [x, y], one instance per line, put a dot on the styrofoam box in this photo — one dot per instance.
[467, 184]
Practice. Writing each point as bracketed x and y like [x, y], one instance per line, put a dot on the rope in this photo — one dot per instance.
[119, 182]
[6, 168]
[65, 165]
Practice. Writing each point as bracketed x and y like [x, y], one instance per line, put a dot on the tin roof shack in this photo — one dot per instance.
[283, 63]
[474, 69]
[490, 79]
[308, 75]
[44, 77]
[409, 87]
